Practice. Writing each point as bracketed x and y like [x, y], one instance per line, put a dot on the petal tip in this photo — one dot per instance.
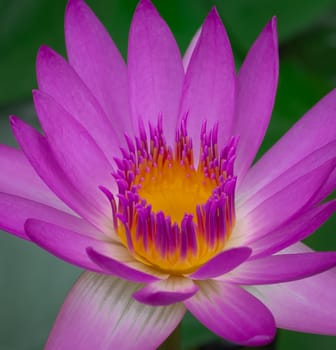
[74, 3]
[260, 340]
[74, 8]
[144, 5]
[271, 28]
[213, 18]
[35, 92]
[44, 55]
[213, 14]
[43, 52]
[118, 268]
[14, 123]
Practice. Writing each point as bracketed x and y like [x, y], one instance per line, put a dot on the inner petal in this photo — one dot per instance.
[172, 213]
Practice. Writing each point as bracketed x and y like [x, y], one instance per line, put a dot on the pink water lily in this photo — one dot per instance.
[143, 176]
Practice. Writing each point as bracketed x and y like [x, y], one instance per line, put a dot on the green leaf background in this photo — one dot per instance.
[33, 283]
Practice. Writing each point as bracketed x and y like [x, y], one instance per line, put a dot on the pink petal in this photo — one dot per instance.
[294, 231]
[209, 85]
[190, 49]
[256, 89]
[86, 169]
[98, 62]
[17, 177]
[281, 206]
[39, 154]
[155, 70]
[68, 245]
[165, 292]
[327, 188]
[14, 211]
[130, 270]
[232, 313]
[315, 130]
[100, 313]
[282, 268]
[222, 263]
[59, 80]
[272, 185]
[307, 305]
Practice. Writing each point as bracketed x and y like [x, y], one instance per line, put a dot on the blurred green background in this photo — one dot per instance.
[34, 283]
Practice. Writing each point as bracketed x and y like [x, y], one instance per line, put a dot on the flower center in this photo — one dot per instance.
[172, 214]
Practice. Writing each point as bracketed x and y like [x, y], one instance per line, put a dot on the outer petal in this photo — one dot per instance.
[307, 305]
[106, 74]
[316, 129]
[17, 177]
[232, 313]
[222, 263]
[100, 313]
[38, 152]
[59, 80]
[274, 184]
[297, 230]
[68, 245]
[155, 69]
[124, 266]
[165, 292]
[328, 187]
[282, 206]
[14, 211]
[209, 85]
[282, 268]
[88, 168]
[256, 89]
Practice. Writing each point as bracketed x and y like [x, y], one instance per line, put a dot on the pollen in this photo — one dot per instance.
[172, 213]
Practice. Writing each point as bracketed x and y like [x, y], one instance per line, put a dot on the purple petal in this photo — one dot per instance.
[165, 292]
[17, 177]
[130, 270]
[98, 62]
[88, 168]
[100, 313]
[256, 89]
[39, 154]
[190, 49]
[59, 80]
[222, 263]
[14, 211]
[327, 188]
[155, 70]
[232, 313]
[315, 130]
[307, 305]
[68, 245]
[281, 206]
[282, 268]
[270, 185]
[209, 85]
[294, 231]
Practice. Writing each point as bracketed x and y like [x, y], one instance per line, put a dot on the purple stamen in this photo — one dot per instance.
[154, 234]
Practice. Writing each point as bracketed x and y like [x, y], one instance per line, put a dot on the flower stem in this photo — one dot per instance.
[173, 341]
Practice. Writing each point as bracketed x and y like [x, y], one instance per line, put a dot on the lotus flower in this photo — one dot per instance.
[143, 176]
